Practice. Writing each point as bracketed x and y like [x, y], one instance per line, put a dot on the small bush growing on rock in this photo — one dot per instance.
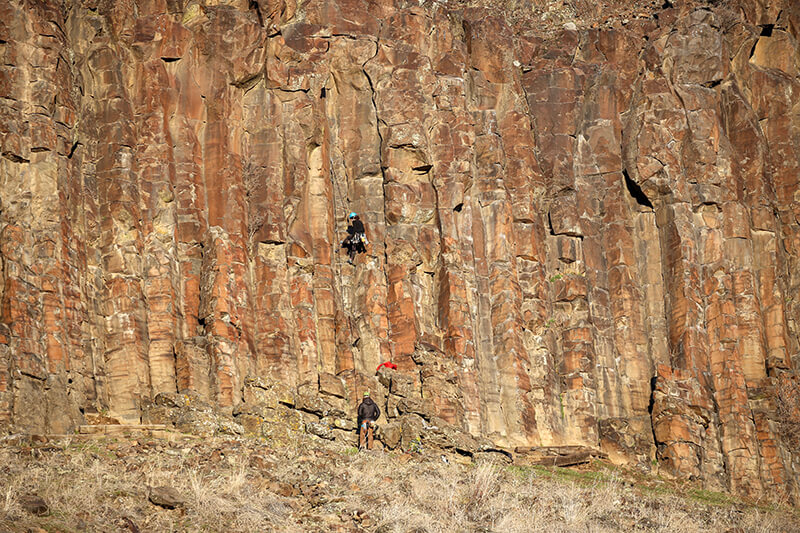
[788, 411]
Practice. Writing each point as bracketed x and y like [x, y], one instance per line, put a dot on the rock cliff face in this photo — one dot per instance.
[578, 237]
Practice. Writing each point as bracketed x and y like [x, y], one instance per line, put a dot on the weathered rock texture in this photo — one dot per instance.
[583, 237]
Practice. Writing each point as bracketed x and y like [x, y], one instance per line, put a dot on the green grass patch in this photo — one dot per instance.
[91, 447]
[600, 473]
[711, 497]
[656, 490]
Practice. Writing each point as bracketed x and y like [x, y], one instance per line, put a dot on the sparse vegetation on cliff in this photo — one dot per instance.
[788, 408]
[544, 15]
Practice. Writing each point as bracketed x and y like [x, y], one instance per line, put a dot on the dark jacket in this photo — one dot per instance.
[368, 410]
[355, 227]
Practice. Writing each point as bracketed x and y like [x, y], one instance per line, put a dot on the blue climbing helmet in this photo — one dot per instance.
[352, 215]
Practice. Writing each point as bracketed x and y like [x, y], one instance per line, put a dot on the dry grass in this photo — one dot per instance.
[440, 498]
[548, 15]
[788, 406]
[315, 485]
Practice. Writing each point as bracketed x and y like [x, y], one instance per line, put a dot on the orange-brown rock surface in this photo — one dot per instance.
[584, 235]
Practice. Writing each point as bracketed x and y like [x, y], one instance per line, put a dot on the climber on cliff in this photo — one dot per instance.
[368, 413]
[356, 240]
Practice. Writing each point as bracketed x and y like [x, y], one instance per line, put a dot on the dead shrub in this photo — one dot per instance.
[788, 410]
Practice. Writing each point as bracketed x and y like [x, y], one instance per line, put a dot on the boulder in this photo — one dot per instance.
[166, 497]
[331, 385]
[391, 434]
[320, 429]
[34, 504]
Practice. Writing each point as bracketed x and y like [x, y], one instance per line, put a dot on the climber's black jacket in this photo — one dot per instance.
[355, 227]
[368, 410]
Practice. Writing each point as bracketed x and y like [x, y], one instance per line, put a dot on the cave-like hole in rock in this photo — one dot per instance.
[766, 30]
[636, 192]
[423, 169]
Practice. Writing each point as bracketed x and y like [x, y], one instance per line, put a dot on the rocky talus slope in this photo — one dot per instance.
[582, 234]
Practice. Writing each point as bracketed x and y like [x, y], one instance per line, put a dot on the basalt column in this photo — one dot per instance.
[578, 236]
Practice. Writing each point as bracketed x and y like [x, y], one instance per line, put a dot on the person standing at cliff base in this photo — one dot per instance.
[368, 413]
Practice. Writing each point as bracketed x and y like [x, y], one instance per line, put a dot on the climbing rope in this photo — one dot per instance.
[336, 192]
[336, 244]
